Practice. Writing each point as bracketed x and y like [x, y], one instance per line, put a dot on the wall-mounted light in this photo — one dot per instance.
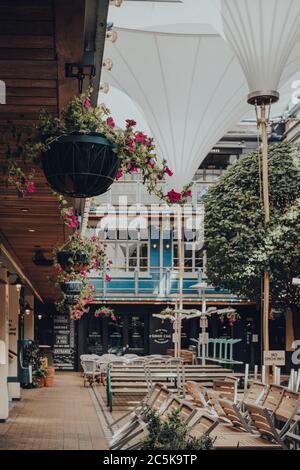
[108, 64]
[104, 87]
[18, 283]
[40, 316]
[154, 246]
[112, 36]
[27, 309]
[168, 246]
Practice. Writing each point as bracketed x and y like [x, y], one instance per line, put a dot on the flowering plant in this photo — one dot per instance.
[92, 248]
[94, 252]
[105, 311]
[135, 150]
[232, 317]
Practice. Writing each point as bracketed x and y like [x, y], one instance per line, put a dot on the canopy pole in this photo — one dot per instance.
[180, 276]
[266, 202]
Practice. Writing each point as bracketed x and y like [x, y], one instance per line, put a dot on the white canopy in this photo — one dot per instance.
[263, 35]
[189, 86]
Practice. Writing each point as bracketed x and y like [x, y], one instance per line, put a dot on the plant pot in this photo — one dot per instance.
[39, 382]
[81, 165]
[49, 381]
[69, 260]
[71, 287]
[71, 299]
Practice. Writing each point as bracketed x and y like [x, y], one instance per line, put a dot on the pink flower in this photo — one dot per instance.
[188, 194]
[109, 263]
[108, 278]
[132, 168]
[87, 103]
[119, 174]
[173, 196]
[113, 318]
[83, 273]
[130, 143]
[151, 162]
[130, 123]
[167, 171]
[141, 138]
[58, 269]
[110, 122]
[71, 221]
[30, 187]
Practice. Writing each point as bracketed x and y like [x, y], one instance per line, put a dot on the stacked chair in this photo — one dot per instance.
[263, 417]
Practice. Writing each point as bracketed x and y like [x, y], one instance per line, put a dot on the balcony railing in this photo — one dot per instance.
[157, 283]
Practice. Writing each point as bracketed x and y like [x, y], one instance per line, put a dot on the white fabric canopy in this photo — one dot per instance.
[189, 86]
[263, 34]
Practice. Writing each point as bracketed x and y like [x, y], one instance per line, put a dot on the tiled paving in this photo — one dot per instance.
[63, 417]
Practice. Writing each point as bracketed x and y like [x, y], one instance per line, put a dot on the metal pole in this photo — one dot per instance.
[180, 275]
[266, 202]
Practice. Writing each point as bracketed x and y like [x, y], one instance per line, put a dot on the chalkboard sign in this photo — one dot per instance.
[64, 342]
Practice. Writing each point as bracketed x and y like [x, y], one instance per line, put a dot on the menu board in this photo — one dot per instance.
[64, 342]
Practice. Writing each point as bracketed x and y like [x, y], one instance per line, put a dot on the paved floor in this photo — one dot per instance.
[61, 417]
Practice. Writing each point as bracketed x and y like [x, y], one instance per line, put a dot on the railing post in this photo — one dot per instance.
[104, 282]
[136, 281]
[168, 282]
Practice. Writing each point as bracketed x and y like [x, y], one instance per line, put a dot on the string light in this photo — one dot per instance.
[104, 88]
[116, 3]
[108, 64]
[112, 36]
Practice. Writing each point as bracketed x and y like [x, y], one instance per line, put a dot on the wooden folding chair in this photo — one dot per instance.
[158, 396]
[273, 398]
[203, 426]
[263, 423]
[287, 410]
[255, 393]
[234, 416]
[199, 396]
[226, 389]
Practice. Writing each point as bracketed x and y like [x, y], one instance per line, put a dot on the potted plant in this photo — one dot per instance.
[171, 433]
[83, 152]
[106, 312]
[38, 377]
[80, 254]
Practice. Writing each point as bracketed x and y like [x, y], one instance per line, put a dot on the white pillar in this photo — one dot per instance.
[14, 388]
[29, 319]
[4, 341]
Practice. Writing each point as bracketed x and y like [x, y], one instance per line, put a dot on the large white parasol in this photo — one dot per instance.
[189, 86]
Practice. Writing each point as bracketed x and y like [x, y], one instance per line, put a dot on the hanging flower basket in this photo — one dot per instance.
[71, 299]
[80, 165]
[69, 260]
[72, 287]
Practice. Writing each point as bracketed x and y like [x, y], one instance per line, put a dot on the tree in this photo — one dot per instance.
[238, 245]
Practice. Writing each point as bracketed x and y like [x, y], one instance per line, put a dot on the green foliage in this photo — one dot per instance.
[239, 247]
[172, 434]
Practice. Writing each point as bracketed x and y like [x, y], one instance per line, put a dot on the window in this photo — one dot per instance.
[126, 256]
[193, 256]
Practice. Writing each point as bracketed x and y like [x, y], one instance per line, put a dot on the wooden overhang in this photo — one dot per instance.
[37, 39]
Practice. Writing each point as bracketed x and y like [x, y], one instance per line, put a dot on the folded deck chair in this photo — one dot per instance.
[204, 425]
[261, 419]
[273, 398]
[255, 393]
[234, 416]
[157, 401]
[199, 396]
[287, 411]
